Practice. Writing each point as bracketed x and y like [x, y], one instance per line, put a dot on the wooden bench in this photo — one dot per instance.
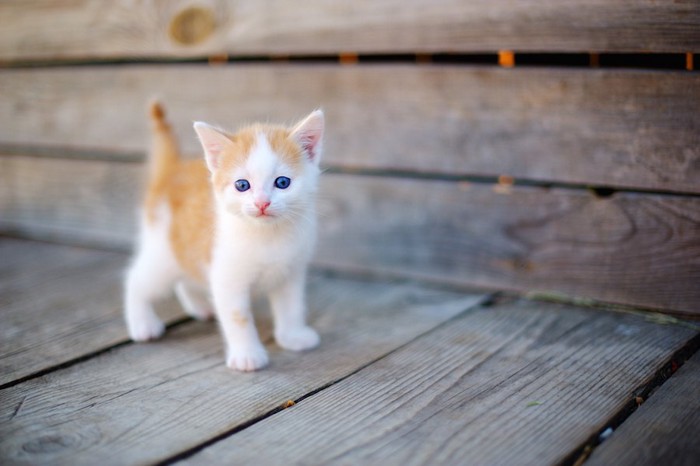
[509, 252]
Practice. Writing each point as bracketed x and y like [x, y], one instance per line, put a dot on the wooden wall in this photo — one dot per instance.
[576, 180]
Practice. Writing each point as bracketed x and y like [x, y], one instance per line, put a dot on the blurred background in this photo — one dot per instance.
[537, 146]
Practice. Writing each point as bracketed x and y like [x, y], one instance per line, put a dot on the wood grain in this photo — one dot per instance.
[631, 129]
[636, 249]
[642, 250]
[22, 263]
[516, 384]
[88, 29]
[59, 303]
[147, 402]
[85, 202]
[663, 430]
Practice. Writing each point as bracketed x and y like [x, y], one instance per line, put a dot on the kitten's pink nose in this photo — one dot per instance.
[262, 205]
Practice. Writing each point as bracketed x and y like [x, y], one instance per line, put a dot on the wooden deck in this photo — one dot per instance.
[405, 374]
[544, 153]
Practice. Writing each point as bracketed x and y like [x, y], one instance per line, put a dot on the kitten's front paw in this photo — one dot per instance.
[145, 328]
[298, 339]
[247, 359]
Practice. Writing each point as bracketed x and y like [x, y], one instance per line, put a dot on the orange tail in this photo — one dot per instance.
[165, 154]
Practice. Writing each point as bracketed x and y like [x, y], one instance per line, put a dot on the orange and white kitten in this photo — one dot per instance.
[241, 219]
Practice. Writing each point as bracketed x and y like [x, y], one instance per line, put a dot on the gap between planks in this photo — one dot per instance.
[138, 374]
[85, 357]
[488, 301]
[60, 305]
[332, 383]
[523, 123]
[641, 396]
[136, 157]
[435, 400]
[657, 432]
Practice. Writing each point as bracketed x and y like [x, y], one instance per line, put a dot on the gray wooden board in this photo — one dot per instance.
[85, 29]
[634, 249]
[58, 303]
[22, 263]
[145, 402]
[636, 129]
[664, 430]
[89, 202]
[526, 383]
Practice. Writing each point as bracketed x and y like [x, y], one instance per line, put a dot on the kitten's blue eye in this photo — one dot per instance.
[283, 182]
[242, 185]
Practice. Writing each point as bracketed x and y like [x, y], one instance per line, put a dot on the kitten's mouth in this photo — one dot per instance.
[263, 215]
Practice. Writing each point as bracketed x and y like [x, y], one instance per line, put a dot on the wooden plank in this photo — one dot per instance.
[85, 29]
[636, 249]
[662, 431]
[464, 394]
[631, 129]
[19, 262]
[58, 303]
[84, 202]
[148, 402]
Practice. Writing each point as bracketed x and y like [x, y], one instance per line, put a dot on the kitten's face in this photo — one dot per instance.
[273, 181]
[265, 174]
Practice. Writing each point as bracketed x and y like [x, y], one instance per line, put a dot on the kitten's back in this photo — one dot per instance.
[178, 192]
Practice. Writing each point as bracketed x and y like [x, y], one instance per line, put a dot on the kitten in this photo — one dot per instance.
[242, 218]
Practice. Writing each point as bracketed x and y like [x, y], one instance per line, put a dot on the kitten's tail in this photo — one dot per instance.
[165, 153]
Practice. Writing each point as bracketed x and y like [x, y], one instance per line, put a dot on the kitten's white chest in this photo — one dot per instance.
[263, 258]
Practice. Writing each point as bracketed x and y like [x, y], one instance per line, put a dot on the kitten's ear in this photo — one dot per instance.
[213, 142]
[309, 134]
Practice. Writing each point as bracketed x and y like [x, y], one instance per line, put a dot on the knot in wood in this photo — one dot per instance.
[192, 25]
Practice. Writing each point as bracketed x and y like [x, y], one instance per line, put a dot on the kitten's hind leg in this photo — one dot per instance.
[194, 304]
[150, 277]
[141, 290]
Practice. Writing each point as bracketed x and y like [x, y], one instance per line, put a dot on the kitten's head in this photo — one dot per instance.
[265, 173]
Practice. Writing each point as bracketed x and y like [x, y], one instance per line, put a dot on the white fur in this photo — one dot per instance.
[268, 252]
[192, 301]
[150, 277]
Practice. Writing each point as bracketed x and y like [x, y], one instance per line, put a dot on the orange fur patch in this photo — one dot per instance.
[243, 142]
[191, 205]
[184, 187]
[239, 319]
[190, 202]
[233, 156]
[282, 143]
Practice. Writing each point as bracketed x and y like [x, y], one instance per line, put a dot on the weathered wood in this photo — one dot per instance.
[86, 202]
[515, 384]
[144, 403]
[662, 431]
[86, 29]
[20, 264]
[58, 303]
[634, 249]
[631, 129]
